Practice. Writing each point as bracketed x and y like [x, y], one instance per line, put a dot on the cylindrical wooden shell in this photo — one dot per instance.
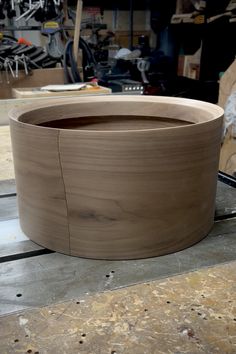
[137, 181]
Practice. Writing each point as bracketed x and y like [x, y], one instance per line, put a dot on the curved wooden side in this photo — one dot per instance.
[116, 194]
[140, 197]
[40, 187]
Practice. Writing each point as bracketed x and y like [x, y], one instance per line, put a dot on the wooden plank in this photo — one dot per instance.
[227, 84]
[228, 155]
[36, 92]
[78, 17]
[228, 149]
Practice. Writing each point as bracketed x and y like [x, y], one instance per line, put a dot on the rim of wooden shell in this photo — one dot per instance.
[189, 110]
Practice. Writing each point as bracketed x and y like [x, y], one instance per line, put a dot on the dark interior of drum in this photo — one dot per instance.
[114, 122]
[113, 114]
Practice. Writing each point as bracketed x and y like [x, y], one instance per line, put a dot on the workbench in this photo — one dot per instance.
[179, 303]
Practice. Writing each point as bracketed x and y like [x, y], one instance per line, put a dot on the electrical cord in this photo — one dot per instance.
[71, 73]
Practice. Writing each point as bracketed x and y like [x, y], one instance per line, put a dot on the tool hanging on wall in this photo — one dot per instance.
[71, 72]
[15, 56]
[40, 10]
[55, 46]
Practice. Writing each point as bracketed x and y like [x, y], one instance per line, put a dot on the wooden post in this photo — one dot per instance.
[77, 28]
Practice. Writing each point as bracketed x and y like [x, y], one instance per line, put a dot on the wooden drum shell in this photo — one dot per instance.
[117, 194]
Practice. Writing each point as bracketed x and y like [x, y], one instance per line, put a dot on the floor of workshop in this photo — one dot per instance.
[51, 303]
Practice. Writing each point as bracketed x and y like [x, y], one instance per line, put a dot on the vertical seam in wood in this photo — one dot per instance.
[64, 185]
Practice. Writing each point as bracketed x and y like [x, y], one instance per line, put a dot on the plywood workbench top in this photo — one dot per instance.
[190, 313]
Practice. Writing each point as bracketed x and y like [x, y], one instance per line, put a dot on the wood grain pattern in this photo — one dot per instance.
[128, 193]
[40, 187]
[32, 92]
[227, 84]
[228, 149]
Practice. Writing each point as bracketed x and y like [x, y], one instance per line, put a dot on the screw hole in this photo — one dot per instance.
[29, 351]
[112, 271]
[145, 310]
[107, 275]
[81, 342]
[219, 317]
[83, 335]
[234, 319]
[26, 336]
[16, 340]
[192, 309]
[113, 352]
[18, 295]
[168, 302]
[199, 313]
[77, 302]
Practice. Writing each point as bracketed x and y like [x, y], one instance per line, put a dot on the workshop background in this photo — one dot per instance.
[184, 302]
